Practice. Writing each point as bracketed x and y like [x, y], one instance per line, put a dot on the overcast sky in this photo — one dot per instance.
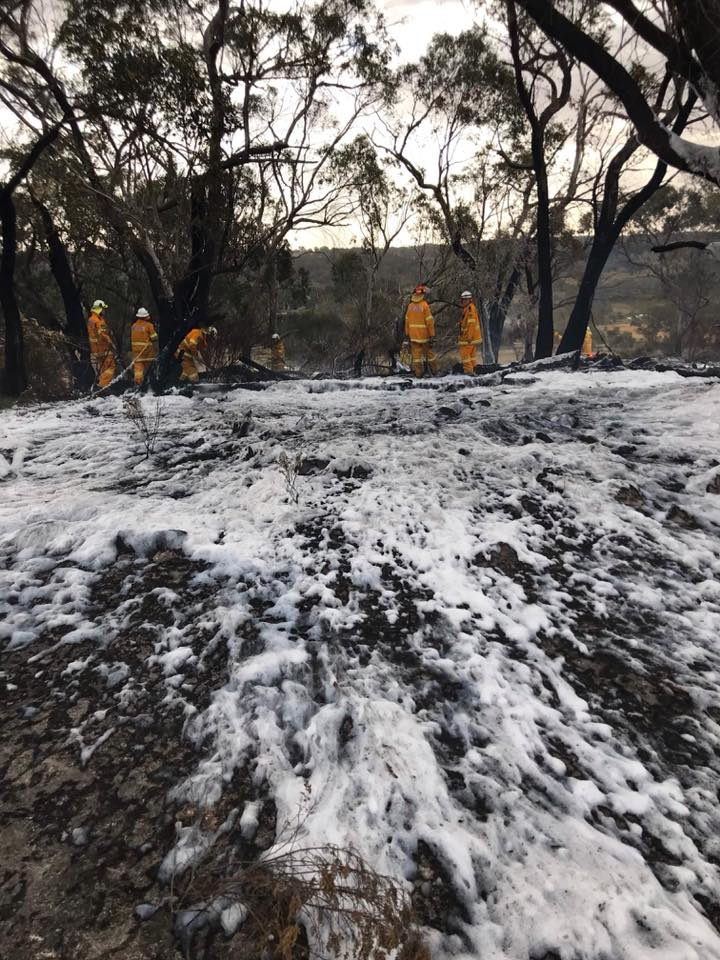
[413, 22]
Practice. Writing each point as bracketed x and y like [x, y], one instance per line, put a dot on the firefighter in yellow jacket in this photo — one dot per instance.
[144, 344]
[420, 331]
[194, 342]
[189, 352]
[587, 350]
[470, 333]
[102, 355]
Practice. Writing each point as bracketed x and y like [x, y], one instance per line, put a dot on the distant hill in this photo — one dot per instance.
[401, 266]
[627, 288]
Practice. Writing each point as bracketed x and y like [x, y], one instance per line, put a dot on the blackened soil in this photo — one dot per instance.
[82, 834]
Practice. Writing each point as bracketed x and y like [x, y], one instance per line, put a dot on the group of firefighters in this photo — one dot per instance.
[419, 331]
[144, 348]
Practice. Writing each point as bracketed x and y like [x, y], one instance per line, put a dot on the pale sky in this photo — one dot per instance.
[411, 24]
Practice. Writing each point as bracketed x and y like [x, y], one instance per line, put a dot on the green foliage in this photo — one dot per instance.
[133, 67]
[348, 275]
[464, 78]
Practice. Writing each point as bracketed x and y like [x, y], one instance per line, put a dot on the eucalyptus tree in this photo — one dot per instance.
[683, 35]
[452, 104]
[536, 63]
[511, 170]
[619, 194]
[683, 321]
[382, 211]
[199, 129]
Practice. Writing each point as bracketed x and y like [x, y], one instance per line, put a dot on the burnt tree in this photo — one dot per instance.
[539, 122]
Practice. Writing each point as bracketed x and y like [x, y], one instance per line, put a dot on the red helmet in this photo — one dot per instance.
[420, 288]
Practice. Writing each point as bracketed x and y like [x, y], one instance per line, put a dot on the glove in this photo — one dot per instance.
[211, 331]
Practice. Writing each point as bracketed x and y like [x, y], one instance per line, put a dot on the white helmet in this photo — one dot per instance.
[275, 336]
[142, 313]
[98, 306]
[466, 295]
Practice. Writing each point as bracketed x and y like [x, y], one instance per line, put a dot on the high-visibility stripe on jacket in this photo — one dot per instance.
[470, 331]
[143, 340]
[193, 342]
[419, 323]
[99, 335]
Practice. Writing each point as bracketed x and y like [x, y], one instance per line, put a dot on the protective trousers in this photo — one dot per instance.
[468, 356]
[104, 367]
[422, 351]
[140, 368]
[189, 369]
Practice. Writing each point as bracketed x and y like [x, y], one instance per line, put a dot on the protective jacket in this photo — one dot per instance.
[419, 322]
[193, 342]
[144, 345]
[143, 340]
[587, 344]
[99, 336]
[188, 351]
[470, 331]
[101, 350]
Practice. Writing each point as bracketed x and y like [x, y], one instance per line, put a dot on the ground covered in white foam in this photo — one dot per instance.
[481, 649]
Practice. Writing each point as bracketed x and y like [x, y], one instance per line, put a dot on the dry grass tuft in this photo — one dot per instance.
[145, 423]
[322, 902]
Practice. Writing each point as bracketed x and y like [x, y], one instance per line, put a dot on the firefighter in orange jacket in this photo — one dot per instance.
[587, 350]
[144, 344]
[189, 353]
[420, 331]
[194, 342]
[470, 333]
[277, 353]
[102, 355]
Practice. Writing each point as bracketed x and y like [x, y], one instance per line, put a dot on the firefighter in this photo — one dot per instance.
[190, 349]
[102, 355]
[470, 333]
[587, 350]
[420, 331]
[144, 344]
[277, 353]
[188, 353]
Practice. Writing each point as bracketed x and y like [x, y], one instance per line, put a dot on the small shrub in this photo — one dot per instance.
[322, 902]
[145, 424]
[290, 465]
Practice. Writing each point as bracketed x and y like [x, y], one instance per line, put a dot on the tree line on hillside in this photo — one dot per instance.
[170, 153]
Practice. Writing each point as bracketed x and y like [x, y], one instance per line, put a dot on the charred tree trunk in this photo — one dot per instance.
[164, 301]
[609, 227]
[544, 342]
[75, 327]
[499, 310]
[15, 378]
[538, 125]
[192, 293]
[61, 268]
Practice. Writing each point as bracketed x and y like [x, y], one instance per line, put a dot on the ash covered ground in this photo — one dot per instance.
[481, 649]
